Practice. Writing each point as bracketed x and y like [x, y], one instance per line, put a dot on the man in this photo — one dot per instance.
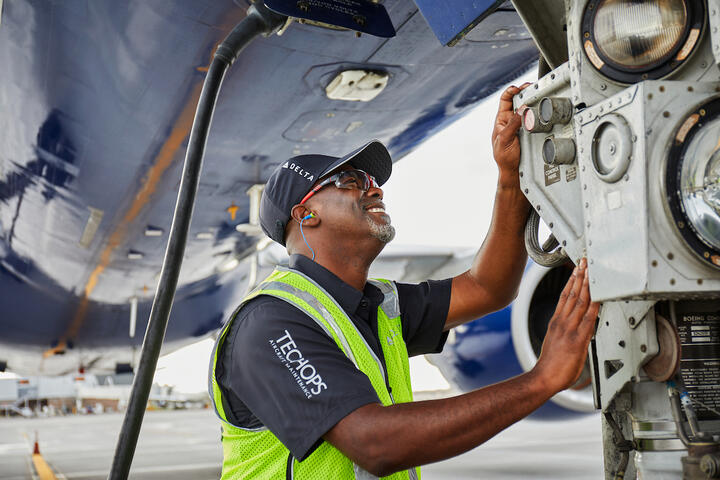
[310, 376]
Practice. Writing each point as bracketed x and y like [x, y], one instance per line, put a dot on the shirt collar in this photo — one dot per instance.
[348, 297]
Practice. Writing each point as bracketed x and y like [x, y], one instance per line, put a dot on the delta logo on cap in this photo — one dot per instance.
[299, 170]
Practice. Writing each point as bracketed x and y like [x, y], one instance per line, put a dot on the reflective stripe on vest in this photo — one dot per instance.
[338, 328]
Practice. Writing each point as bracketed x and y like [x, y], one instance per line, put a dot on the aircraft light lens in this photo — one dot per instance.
[634, 35]
[700, 183]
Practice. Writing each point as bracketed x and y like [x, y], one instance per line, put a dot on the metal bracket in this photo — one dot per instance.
[610, 105]
[622, 348]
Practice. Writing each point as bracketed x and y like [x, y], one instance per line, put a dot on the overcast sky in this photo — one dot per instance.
[441, 194]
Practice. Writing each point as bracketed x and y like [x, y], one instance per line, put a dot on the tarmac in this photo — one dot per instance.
[185, 444]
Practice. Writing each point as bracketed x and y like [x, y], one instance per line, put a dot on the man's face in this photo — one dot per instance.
[350, 211]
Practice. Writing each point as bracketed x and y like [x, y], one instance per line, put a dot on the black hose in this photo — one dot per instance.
[623, 446]
[544, 255]
[259, 20]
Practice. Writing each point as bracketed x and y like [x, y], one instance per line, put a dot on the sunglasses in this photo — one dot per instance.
[345, 179]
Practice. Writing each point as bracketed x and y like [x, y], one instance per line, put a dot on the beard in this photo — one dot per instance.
[384, 232]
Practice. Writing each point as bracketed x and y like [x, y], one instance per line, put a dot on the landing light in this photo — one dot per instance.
[630, 41]
[693, 181]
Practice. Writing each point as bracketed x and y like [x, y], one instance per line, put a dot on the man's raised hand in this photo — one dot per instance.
[565, 347]
[505, 142]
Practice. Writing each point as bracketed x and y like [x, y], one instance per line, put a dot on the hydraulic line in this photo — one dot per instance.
[676, 409]
[545, 255]
[259, 20]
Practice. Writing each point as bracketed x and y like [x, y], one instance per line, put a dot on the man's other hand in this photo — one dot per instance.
[565, 347]
[505, 142]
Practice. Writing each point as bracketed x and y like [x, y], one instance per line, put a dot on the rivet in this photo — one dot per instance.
[631, 320]
[672, 281]
[564, 243]
[551, 225]
[622, 343]
[585, 186]
[654, 263]
[670, 256]
[603, 86]
[587, 204]
[643, 348]
[666, 114]
[662, 88]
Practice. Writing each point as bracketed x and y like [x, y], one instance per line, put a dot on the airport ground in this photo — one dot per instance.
[185, 444]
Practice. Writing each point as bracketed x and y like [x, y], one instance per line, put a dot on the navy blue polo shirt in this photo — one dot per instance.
[261, 391]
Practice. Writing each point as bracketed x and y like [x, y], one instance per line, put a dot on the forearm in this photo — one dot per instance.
[406, 435]
[494, 276]
[503, 251]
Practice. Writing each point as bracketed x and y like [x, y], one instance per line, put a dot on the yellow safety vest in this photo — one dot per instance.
[256, 453]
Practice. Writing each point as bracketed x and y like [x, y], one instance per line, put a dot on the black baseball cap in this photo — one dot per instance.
[292, 180]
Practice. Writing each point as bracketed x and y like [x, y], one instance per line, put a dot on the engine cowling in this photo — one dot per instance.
[508, 342]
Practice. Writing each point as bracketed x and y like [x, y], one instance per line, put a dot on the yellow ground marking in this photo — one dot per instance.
[43, 470]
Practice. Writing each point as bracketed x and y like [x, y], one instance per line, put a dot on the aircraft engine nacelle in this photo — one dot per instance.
[508, 342]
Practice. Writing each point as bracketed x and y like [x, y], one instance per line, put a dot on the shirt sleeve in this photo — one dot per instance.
[423, 309]
[291, 375]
